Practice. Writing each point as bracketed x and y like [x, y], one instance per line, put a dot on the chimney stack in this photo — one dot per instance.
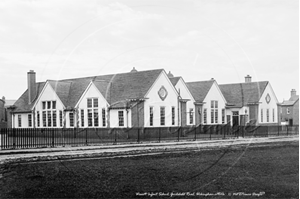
[293, 92]
[31, 86]
[248, 79]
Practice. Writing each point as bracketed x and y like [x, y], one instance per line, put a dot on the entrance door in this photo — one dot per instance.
[235, 118]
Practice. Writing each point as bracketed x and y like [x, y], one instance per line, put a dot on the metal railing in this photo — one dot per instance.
[14, 138]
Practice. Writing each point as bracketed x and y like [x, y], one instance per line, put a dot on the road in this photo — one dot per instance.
[109, 151]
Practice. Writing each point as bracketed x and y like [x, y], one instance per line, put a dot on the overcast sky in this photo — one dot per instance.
[197, 39]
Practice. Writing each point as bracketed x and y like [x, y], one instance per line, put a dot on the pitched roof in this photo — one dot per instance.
[115, 88]
[22, 104]
[199, 89]
[9, 102]
[291, 101]
[240, 94]
[174, 80]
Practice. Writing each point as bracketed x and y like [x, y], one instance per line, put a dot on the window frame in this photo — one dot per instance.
[162, 115]
[121, 118]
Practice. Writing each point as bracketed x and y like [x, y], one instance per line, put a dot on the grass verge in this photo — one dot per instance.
[271, 171]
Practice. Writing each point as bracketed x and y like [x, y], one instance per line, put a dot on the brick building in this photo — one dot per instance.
[289, 110]
[2, 114]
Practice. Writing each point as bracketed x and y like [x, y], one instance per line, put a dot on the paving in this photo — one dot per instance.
[129, 149]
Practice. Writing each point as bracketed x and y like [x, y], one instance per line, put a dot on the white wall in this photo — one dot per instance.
[24, 120]
[214, 94]
[271, 105]
[156, 102]
[114, 118]
[185, 94]
[48, 94]
[92, 92]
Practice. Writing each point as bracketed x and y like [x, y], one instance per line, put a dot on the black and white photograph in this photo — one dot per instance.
[149, 99]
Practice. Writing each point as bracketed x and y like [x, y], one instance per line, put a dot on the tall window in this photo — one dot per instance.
[173, 115]
[103, 117]
[262, 115]
[82, 117]
[162, 116]
[205, 116]
[71, 117]
[90, 117]
[191, 116]
[212, 116]
[273, 115]
[216, 116]
[38, 118]
[287, 111]
[44, 119]
[49, 118]
[49, 114]
[19, 121]
[268, 116]
[214, 111]
[61, 118]
[93, 112]
[29, 120]
[54, 118]
[96, 117]
[151, 116]
[121, 118]
[223, 116]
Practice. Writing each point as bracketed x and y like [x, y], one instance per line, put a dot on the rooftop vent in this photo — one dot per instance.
[133, 70]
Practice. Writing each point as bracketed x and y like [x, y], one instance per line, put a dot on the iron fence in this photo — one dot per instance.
[13, 138]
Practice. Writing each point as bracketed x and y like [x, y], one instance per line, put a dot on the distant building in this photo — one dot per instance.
[2, 114]
[289, 110]
[250, 102]
[5, 118]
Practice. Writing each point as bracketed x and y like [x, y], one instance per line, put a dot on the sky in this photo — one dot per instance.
[196, 39]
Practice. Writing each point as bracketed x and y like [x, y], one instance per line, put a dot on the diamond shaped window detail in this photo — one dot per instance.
[268, 98]
[162, 93]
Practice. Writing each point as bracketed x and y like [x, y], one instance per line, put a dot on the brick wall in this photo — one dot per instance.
[296, 113]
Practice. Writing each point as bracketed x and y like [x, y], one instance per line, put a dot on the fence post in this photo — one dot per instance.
[52, 131]
[14, 138]
[287, 130]
[159, 133]
[138, 136]
[86, 141]
[210, 132]
[278, 129]
[115, 136]
[178, 133]
[195, 133]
